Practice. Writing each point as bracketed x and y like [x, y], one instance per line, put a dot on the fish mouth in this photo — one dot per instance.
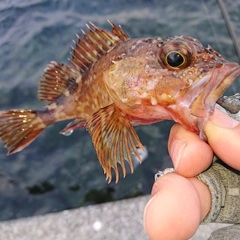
[213, 86]
[231, 103]
[198, 103]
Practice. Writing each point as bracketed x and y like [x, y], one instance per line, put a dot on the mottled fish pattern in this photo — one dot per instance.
[114, 83]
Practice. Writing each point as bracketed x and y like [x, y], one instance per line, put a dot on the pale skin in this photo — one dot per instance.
[179, 201]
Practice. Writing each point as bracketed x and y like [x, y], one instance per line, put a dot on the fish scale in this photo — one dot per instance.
[114, 83]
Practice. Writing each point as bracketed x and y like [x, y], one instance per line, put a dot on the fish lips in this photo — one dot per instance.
[212, 87]
[198, 104]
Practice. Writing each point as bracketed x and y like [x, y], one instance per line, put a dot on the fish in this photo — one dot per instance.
[114, 83]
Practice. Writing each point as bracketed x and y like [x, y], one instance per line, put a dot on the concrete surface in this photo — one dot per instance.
[116, 220]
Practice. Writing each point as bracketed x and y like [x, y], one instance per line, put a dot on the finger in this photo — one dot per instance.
[190, 155]
[177, 202]
[223, 134]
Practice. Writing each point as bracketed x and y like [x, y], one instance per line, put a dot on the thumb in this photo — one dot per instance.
[223, 134]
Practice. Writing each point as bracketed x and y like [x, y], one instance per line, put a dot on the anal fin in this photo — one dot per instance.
[114, 139]
[75, 124]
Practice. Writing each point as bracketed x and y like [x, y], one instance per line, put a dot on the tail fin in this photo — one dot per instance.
[18, 128]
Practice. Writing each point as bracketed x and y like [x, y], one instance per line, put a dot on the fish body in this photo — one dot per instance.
[114, 83]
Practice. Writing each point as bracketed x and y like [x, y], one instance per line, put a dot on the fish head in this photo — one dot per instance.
[175, 78]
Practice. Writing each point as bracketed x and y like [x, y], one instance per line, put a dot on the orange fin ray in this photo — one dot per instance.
[114, 139]
[119, 31]
[57, 79]
[18, 128]
[95, 44]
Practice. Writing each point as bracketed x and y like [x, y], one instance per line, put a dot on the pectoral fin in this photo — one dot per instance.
[114, 139]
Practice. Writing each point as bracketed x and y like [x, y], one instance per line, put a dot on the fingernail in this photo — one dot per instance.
[177, 150]
[146, 210]
[222, 120]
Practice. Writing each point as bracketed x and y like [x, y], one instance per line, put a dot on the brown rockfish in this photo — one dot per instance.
[114, 83]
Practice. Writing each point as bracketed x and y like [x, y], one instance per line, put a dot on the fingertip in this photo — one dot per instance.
[223, 134]
[221, 119]
[175, 203]
[190, 155]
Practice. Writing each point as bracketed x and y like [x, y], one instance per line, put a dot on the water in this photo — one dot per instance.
[57, 172]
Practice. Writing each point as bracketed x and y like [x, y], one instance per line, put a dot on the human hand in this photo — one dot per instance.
[179, 200]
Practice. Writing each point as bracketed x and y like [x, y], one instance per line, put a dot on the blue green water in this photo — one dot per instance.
[56, 172]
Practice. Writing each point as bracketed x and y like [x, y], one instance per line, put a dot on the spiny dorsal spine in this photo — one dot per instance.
[95, 44]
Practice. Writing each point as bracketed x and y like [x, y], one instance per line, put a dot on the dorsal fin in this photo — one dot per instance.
[61, 79]
[57, 79]
[95, 44]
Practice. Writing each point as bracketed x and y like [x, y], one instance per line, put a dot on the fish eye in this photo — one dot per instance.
[176, 54]
[175, 59]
